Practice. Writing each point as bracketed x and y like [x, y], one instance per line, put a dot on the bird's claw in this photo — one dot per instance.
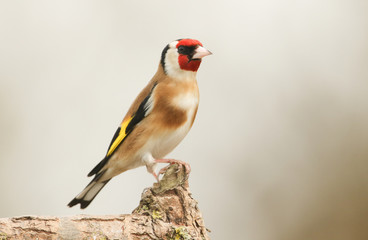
[171, 161]
[163, 170]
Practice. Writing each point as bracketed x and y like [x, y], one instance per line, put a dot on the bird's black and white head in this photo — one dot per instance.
[182, 58]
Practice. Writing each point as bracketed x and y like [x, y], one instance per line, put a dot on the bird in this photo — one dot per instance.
[156, 122]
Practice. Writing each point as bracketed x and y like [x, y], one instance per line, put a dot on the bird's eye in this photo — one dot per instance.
[181, 50]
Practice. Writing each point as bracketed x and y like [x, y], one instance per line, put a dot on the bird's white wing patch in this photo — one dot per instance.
[149, 105]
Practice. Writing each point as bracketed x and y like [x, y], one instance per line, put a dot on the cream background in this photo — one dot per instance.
[279, 147]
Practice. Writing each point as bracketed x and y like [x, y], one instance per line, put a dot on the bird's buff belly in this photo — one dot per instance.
[161, 145]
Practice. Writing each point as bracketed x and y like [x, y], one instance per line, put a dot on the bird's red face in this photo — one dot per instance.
[183, 55]
[186, 49]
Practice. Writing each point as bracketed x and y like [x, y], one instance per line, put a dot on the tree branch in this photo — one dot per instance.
[166, 211]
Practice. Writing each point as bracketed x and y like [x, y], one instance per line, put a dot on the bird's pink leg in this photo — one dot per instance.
[151, 170]
[156, 176]
[172, 161]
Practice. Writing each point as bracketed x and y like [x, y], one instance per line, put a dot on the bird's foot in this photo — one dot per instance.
[172, 161]
[163, 170]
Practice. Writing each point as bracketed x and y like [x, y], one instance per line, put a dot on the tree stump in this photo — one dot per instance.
[166, 211]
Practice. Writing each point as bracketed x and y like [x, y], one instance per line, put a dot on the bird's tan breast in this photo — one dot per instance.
[174, 107]
[175, 104]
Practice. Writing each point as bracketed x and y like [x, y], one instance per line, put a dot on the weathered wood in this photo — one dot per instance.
[166, 211]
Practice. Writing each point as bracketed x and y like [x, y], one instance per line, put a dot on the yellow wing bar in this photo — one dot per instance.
[121, 136]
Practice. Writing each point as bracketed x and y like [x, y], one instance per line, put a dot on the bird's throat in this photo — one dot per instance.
[189, 64]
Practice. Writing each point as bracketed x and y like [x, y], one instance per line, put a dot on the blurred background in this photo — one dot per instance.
[279, 149]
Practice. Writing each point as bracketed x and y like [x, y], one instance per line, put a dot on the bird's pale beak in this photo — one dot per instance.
[201, 52]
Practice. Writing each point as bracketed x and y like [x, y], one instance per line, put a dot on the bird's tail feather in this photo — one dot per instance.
[89, 192]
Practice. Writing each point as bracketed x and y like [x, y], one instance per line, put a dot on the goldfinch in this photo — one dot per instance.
[157, 121]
